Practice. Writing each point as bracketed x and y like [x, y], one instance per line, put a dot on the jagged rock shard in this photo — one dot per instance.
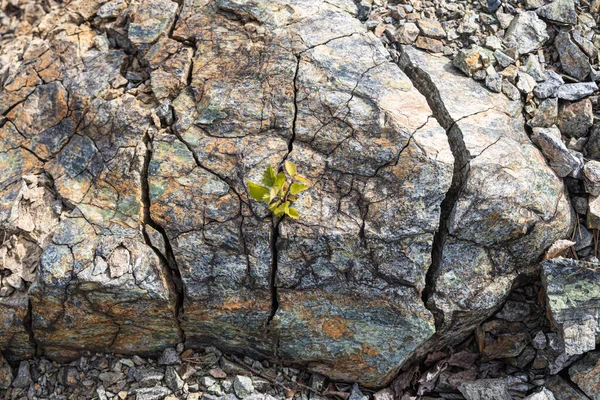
[573, 298]
[507, 208]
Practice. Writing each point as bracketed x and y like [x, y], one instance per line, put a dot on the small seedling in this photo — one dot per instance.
[280, 190]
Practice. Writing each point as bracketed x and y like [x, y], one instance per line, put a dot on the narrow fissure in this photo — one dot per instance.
[276, 222]
[28, 323]
[273, 275]
[169, 258]
[427, 88]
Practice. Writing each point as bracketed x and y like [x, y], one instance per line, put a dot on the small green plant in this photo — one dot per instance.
[280, 190]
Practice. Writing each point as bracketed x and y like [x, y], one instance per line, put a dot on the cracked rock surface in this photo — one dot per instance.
[128, 134]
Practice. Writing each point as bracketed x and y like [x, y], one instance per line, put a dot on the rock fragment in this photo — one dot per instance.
[407, 34]
[431, 28]
[545, 115]
[527, 31]
[485, 389]
[576, 91]
[576, 119]
[561, 159]
[591, 173]
[561, 11]
[573, 61]
[586, 375]
[549, 86]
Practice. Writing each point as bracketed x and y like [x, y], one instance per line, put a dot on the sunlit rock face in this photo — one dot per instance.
[131, 129]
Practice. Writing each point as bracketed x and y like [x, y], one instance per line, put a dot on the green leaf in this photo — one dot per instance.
[301, 178]
[293, 213]
[269, 176]
[297, 188]
[279, 180]
[279, 210]
[273, 206]
[258, 192]
[290, 167]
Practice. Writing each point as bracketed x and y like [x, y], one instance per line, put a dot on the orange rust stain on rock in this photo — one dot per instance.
[335, 327]
[369, 350]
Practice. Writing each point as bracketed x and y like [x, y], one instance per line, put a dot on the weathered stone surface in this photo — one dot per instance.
[325, 269]
[573, 299]
[591, 173]
[562, 390]
[561, 11]
[490, 141]
[576, 118]
[527, 31]
[574, 62]
[586, 375]
[562, 160]
[545, 115]
[142, 132]
[576, 91]
[549, 86]
[490, 389]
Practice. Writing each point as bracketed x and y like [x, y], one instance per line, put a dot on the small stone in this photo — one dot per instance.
[493, 43]
[242, 386]
[384, 394]
[510, 90]
[549, 86]
[356, 394]
[593, 213]
[112, 9]
[514, 311]
[468, 24]
[561, 11]
[207, 381]
[563, 390]
[525, 82]
[172, 379]
[545, 115]
[153, 393]
[586, 374]
[533, 4]
[576, 91]
[533, 67]
[317, 382]
[6, 374]
[485, 389]
[429, 44]
[431, 28]
[260, 384]
[217, 373]
[407, 33]
[503, 59]
[215, 390]
[539, 341]
[469, 60]
[23, 378]
[573, 61]
[561, 159]
[122, 394]
[576, 118]
[527, 31]
[543, 394]
[493, 81]
[169, 357]
[579, 336]
[504, 19]
[591, 173]
[586, 45]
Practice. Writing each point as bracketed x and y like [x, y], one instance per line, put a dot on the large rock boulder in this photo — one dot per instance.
[129, 134]
[506, 206]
